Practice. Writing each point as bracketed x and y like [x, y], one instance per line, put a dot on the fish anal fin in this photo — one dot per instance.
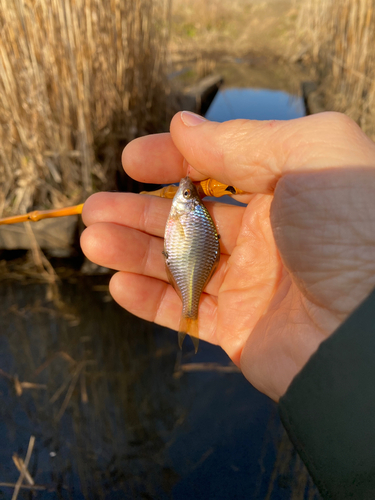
[188, 326]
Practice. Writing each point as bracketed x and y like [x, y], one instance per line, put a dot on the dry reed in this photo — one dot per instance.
[73, 75]
[341, 39]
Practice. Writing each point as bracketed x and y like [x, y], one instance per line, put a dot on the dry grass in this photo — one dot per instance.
[74, 74]
[211, 29]
[340, 37]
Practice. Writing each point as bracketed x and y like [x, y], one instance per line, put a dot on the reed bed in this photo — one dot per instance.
[75, 77]
[340, 37]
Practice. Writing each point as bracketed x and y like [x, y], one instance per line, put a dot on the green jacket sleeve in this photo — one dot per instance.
[329, 409]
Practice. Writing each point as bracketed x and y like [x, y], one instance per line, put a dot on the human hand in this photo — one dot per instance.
[294, 263]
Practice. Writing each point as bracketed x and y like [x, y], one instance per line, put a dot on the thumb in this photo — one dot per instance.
[252, 155]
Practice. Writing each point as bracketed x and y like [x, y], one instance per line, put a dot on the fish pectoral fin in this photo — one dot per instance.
[180, 228]
[188, 326]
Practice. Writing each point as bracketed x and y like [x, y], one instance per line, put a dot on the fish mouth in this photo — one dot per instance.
[186, 180]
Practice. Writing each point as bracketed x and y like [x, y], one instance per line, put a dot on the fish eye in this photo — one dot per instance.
[187, 193]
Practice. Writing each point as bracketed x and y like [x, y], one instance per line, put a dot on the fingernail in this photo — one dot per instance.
[191, 119]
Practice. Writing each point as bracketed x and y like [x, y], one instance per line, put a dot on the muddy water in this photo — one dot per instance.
[119, 412]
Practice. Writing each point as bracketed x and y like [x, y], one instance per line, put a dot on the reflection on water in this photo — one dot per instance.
[255, 104]
[119, 412]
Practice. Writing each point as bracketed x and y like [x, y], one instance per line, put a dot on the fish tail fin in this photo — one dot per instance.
[188, 326]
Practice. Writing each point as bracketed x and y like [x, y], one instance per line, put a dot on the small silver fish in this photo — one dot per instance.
[192, 253]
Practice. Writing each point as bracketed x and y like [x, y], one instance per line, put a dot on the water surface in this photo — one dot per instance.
[255, 104]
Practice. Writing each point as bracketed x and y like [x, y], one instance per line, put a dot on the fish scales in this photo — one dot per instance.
[191, 256]
[192, 252]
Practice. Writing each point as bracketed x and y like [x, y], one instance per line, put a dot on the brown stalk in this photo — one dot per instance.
[71, 388]
[34, 487]
[19, 463]
[24, 467]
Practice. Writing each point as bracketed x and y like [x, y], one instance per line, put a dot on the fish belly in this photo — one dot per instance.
[192, 253]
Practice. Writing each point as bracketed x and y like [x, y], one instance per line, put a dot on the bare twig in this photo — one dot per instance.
[20, 386]
[17, 385]
[33, 487]
[5, 374]
[60, 390]
[31, 385]
[209, 367]
[204, 367]
[20, 464]
[24, 466]
[84, 396]
[71, 388]
[60, 354]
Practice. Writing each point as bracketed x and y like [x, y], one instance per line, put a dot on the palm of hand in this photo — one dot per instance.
[263, 316]
[323, 226]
